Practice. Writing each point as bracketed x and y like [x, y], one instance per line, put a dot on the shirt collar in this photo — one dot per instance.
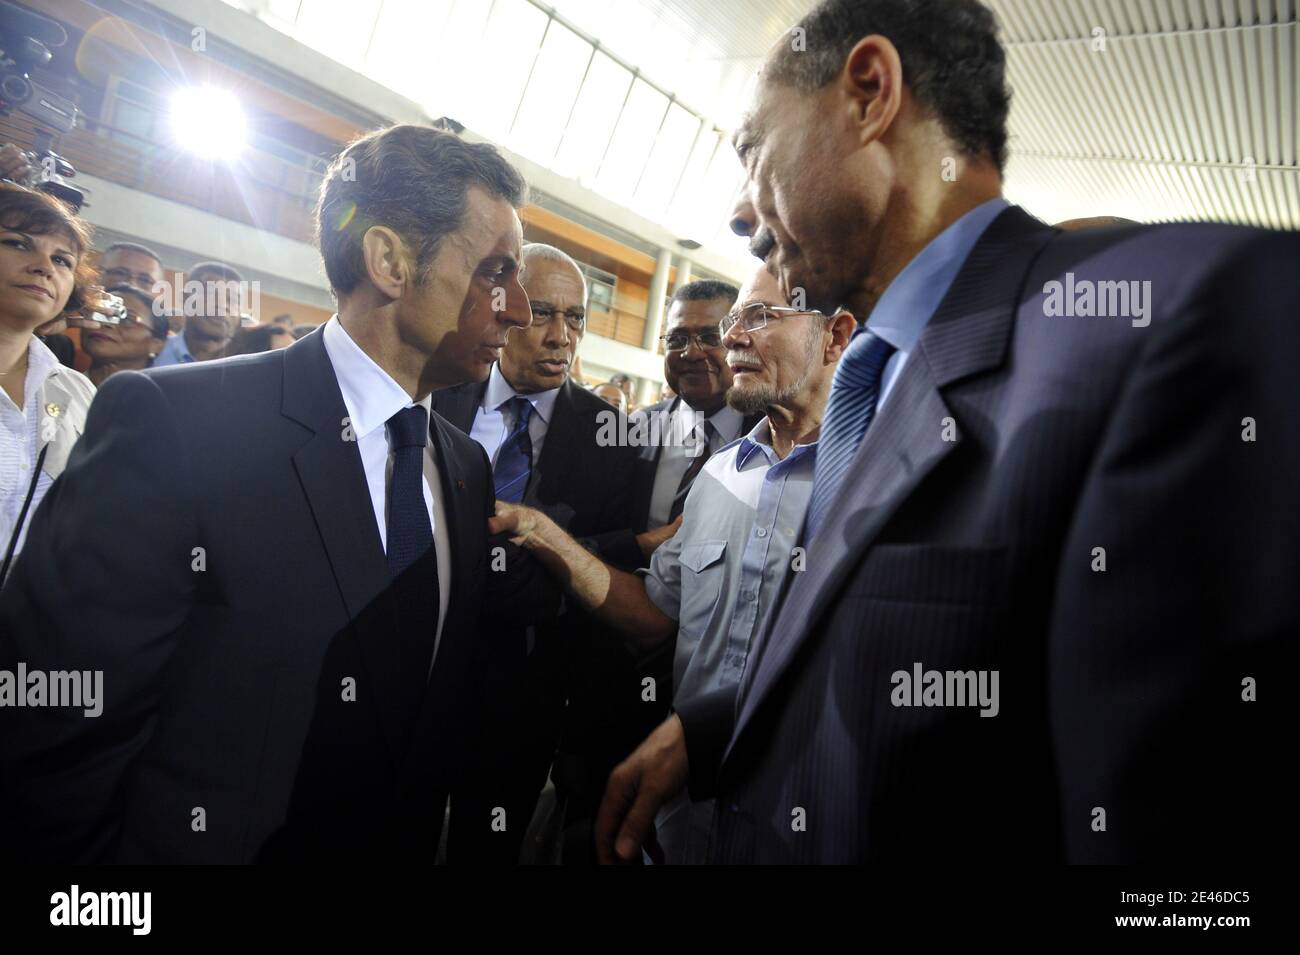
[726, 421]
[370, 393]
[759, 440]
[40, 363]
[913, 297]
[499, 391]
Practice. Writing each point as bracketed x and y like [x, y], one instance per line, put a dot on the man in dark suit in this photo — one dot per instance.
[251, 713]
[568, 682]
[675, 448]
[1047, 554]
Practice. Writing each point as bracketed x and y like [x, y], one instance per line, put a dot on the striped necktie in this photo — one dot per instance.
[515, 459]
[849, 410]
[703, 449]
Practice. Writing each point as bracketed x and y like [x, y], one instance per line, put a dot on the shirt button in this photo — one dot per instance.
[761, 532]
[748, 595]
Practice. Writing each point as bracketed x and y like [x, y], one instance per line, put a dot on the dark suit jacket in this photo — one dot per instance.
[224, 668]
[1120, 690]
[586, 488]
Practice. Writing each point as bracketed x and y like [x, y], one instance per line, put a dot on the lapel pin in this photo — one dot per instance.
[53, 410]
[460, 484]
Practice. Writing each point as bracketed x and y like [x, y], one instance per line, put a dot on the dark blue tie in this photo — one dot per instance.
[855, 390]
[515, 459]
[412, 559]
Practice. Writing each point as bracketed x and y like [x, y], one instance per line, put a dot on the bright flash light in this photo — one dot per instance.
[208, 122]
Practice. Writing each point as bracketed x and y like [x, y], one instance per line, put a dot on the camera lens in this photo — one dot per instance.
[14, 89]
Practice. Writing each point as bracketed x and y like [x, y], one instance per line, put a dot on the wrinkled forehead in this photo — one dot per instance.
[491, 226]
[762, 98]
[761, 288]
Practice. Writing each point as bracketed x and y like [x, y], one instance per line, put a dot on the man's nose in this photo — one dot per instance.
[735, 336]
[517, 311]
[744, 218]
[557, 331]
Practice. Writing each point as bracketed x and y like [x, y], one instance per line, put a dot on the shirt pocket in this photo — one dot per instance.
[704, 568]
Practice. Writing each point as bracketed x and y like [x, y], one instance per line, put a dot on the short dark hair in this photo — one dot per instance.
[412, 179]
[132, 247]
[228, 273]
[38, 213]
[952, 61]
[705, 290]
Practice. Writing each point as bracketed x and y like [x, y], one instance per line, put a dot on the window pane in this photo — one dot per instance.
[550, 94]
[667, 160]
[339, 30]
[593, 118]
[690, 193]
[508, 48]
[399, 51]
[632, 140]
[454, 61]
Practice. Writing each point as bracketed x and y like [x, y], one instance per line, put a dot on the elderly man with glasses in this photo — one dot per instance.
[711, 583]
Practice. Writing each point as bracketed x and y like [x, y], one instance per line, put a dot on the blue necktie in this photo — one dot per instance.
[515, 459]
[850, 408]
[412, 561]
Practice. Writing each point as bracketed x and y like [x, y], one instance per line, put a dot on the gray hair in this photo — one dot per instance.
[549, 253]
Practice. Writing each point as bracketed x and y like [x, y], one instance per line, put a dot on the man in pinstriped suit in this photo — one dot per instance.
[1052, 482]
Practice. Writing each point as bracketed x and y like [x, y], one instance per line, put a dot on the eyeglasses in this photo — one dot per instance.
[575, 318]
[756, 315]
[680, 341]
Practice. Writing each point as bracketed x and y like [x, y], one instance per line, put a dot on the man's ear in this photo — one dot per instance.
[841, 327]
[872, 83]
[384, 255]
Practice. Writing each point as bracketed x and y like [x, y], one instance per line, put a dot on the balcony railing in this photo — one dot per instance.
[259, 189]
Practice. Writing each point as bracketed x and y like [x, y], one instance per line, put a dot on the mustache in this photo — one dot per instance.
[748, 357]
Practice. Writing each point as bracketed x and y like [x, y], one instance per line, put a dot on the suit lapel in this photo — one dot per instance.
[968, 335]
[648, 455]
[333, 480]
[562, 447]
[459, 405]
[452, 474]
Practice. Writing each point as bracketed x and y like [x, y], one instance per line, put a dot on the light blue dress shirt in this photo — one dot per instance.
[717, 576]
[175, 352]
[913, 296]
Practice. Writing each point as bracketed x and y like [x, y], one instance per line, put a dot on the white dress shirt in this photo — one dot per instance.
[52, 416]
[492, 423]
[678, 452]
[372, 397]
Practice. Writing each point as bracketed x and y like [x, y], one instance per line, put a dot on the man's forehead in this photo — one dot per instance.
[702, 311]
[491, 225]
[762, 288]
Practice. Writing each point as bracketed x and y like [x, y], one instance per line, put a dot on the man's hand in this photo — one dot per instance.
[13, 163]
[652, 539]
[638, 787]
[525, 525]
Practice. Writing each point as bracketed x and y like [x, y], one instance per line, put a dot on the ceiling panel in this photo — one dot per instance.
[1176, 109]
